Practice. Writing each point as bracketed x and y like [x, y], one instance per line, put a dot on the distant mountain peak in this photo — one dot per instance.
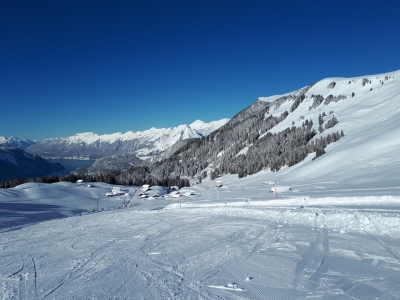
[198, 123]
[15, 142]
[144, 144]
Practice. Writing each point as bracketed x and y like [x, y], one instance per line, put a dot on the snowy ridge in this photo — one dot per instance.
[145, 144]
[319, 131]
[168, 135]
[368, 110]
[206, 128]
[15, 142]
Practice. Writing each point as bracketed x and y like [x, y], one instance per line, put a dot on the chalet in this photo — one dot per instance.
[145, 187]
[109, 195]
[119, 191]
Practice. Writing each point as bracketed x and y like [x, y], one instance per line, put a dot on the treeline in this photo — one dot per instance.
[245, 146]
[136, 176]
[275, 151]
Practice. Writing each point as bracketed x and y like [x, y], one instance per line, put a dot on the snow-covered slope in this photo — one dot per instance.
[233, 242]
[354, 121]
[206, 128]
[368, 111]
[144, 144]
[15, 142]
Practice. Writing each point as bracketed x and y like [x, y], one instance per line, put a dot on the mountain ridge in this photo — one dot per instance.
[16, 142]
[144, 144]
[285, 133]
[17, 163]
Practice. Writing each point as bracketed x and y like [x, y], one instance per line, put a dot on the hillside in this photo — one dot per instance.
[354, 121]
[15, 142]
[16, 163]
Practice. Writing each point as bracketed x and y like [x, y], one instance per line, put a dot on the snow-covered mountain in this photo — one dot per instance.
[144, 144]
[367, 109]
[16, 163]
[205, 129]
[15, 142]
[346, 122]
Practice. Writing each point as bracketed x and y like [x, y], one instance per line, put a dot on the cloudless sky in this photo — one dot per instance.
[114, 66]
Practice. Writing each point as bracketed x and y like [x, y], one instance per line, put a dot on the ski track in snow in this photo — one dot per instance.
[198, 253]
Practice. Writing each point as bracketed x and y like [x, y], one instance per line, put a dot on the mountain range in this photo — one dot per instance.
[15, 142]
[347, 122]
[144, 144]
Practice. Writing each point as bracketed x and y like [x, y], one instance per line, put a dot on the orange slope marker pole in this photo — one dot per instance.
[276, 193]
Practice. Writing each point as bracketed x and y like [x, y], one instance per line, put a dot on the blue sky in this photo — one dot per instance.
[114, 66]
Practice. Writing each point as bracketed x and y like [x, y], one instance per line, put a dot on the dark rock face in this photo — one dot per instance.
[114, 163]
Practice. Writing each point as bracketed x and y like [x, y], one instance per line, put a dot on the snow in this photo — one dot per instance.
[206, 128]
[145, 144]
[169, 136]
[318, 239]
[15, 142]
[330, 232]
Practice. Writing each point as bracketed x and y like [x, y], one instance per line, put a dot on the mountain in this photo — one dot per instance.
[16, 163]
[113, 163]
[205, 129]
[145, 144]
[347, 122]
[15, 142]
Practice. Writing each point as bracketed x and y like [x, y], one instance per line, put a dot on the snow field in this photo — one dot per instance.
[199, 253]
[236, 241]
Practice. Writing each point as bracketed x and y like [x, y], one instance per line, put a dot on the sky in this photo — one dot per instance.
[69, 67]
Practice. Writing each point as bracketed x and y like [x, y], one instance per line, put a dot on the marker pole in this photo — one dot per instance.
[276, 192]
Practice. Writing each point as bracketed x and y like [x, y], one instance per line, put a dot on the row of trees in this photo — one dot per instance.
[134, 176]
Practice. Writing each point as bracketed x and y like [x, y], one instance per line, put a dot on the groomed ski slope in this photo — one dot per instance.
[238, 241]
